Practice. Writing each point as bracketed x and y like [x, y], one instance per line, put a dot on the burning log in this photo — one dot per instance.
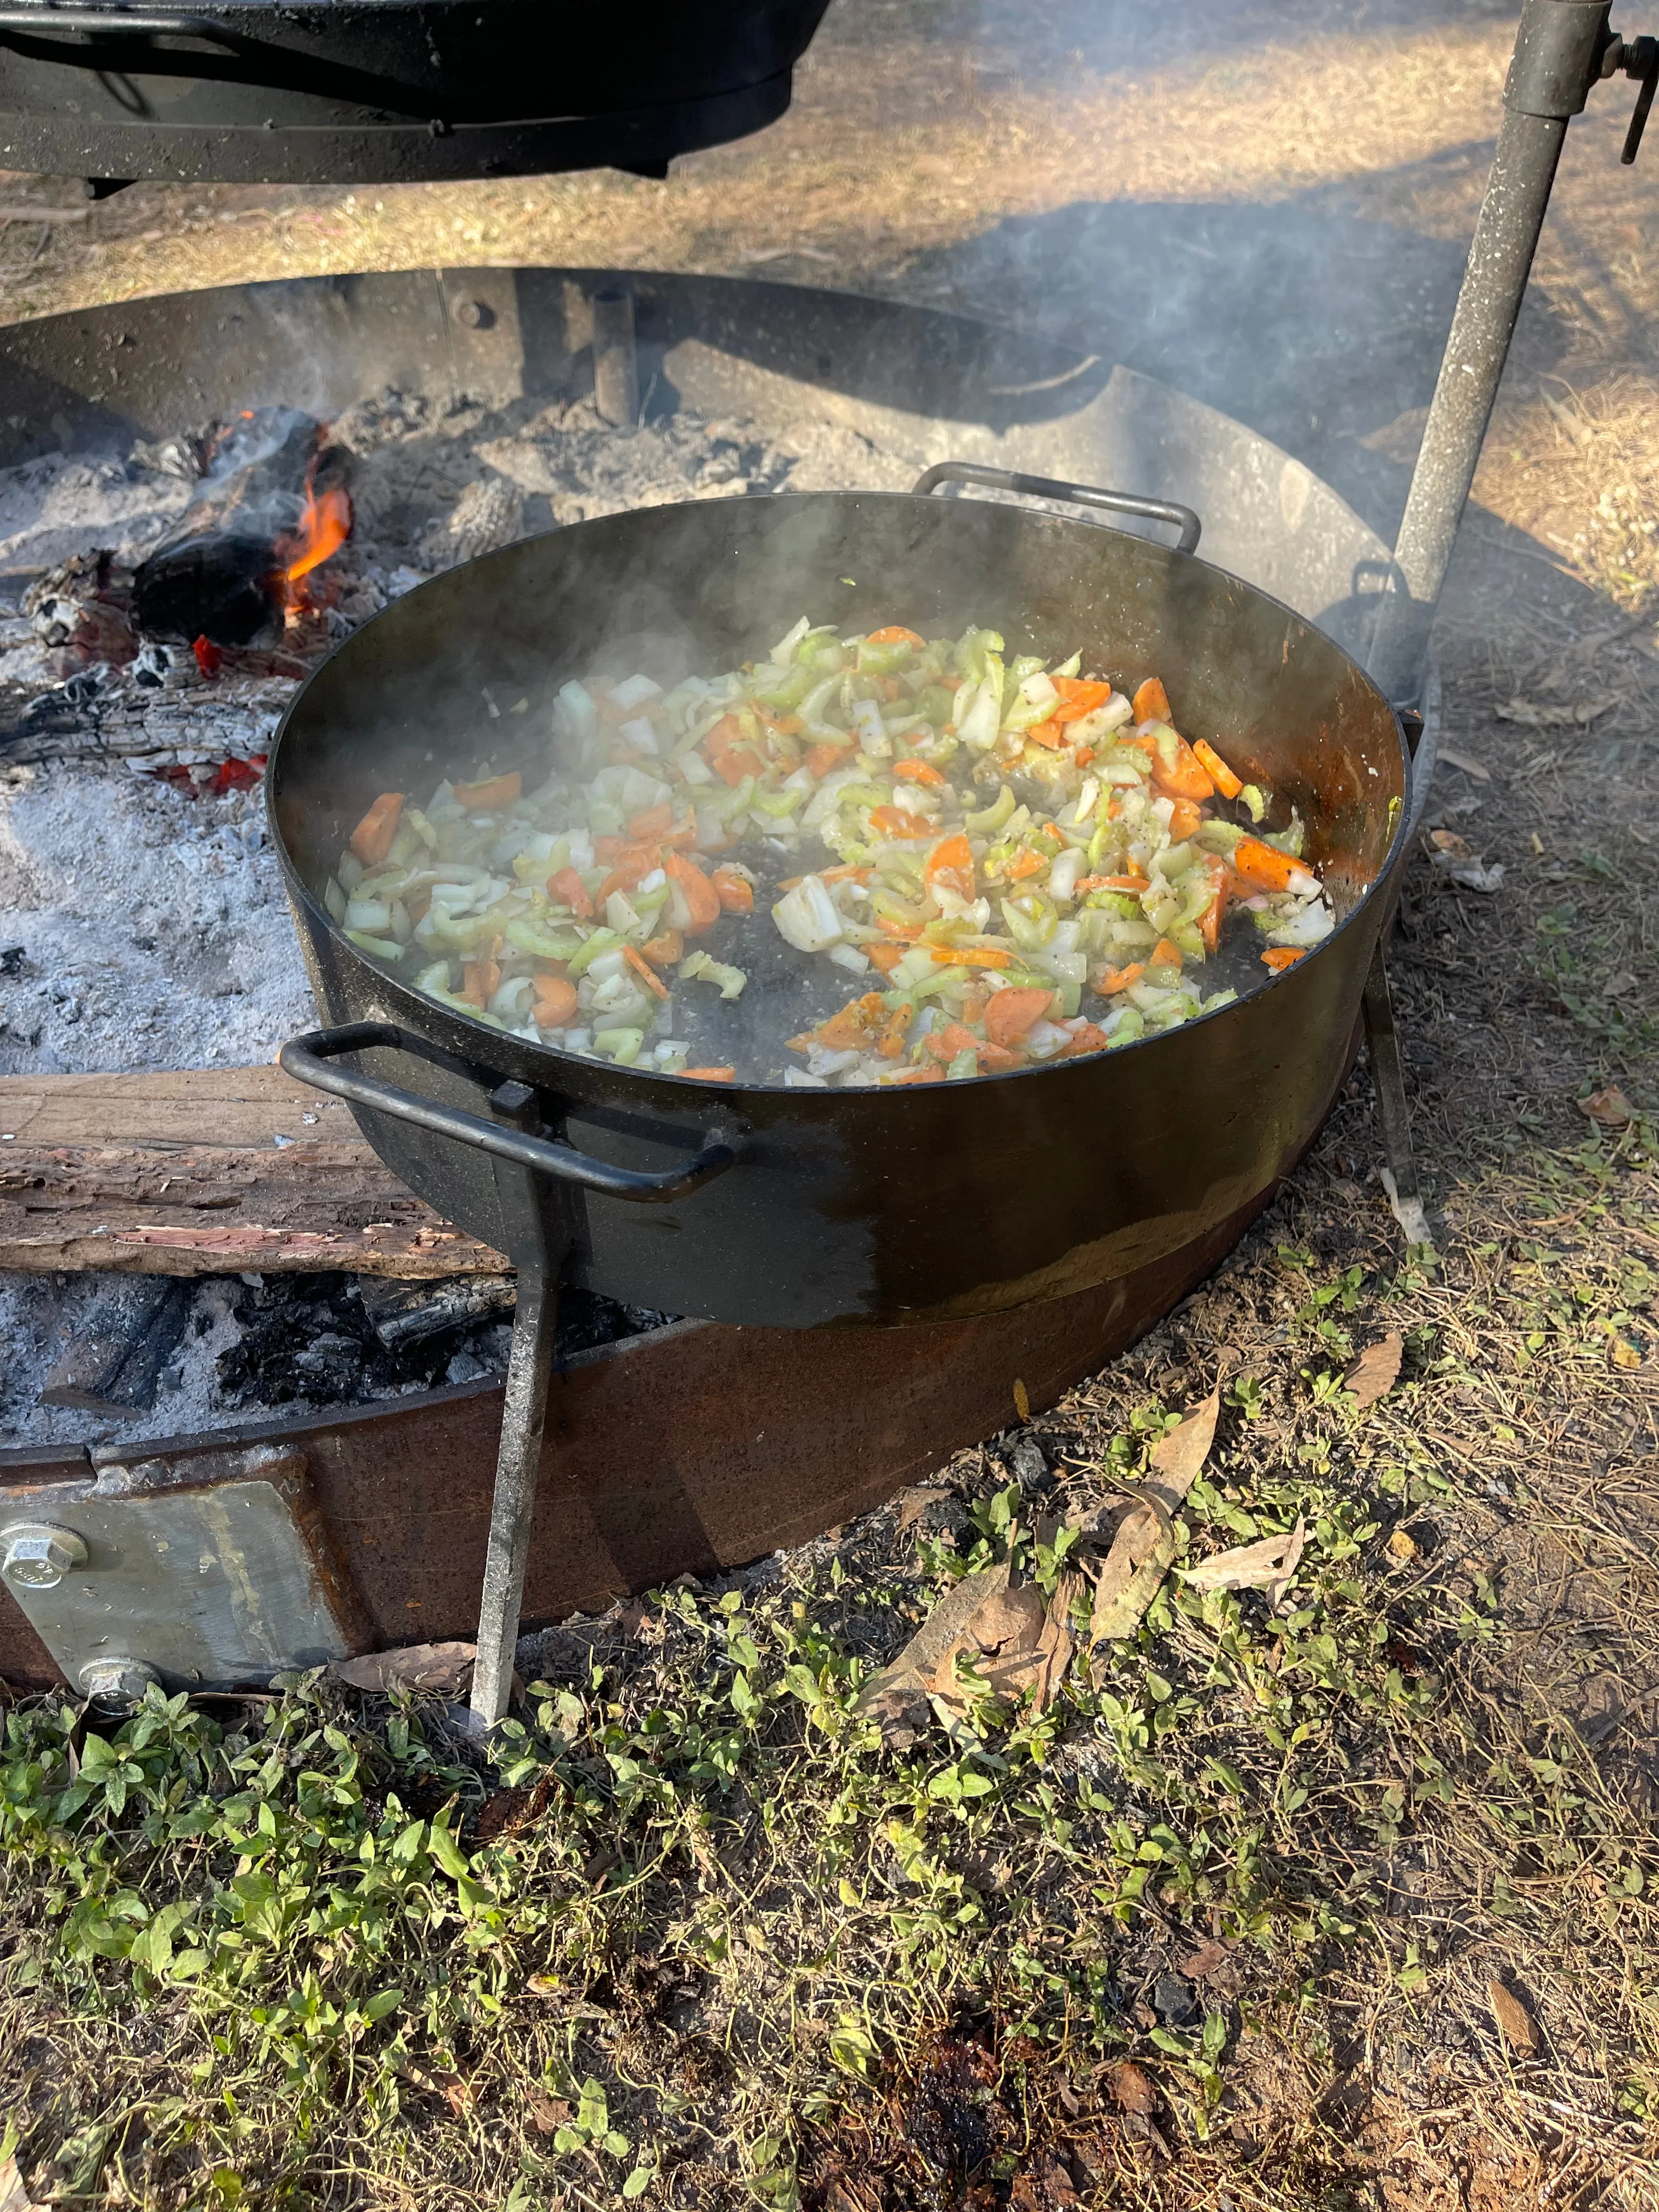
[272, 506]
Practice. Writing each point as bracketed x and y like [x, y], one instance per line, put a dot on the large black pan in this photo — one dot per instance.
[803, 1207]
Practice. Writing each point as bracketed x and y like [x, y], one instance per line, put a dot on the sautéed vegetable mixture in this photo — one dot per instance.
[951, 862]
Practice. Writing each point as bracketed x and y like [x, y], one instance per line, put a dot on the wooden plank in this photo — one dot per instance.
[205, 1171]
[155, 1110]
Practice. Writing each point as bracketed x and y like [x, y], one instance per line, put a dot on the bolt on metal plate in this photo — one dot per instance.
[144, 1576]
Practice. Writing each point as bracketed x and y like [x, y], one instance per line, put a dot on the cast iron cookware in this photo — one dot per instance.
[808, 1207]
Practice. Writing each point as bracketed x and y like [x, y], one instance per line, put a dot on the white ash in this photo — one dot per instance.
[145, 928]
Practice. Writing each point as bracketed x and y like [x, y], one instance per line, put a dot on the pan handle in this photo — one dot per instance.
[117, 22]
[309, 1059]
[1117, 502]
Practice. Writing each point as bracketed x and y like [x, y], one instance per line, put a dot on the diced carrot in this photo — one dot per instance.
[1209, 922]
[950, 867]
[885, 957]
[480, 980]
[1114, 980]
[371, 841]
[1151, 702]
[417, 904]
[633, 865]
[1185, 816]
[735, 893]
[553, 1000]
[642, 968]
[1011, 1013]
[895, 633]
[1220, 775]
[908, 932]
[710, 1074]
[701, 896]
[665, 948]
[655, 821]
[1078, 698]
[998, 1060]
[916, 771]
[1087, 1039]
[1050, 733]
[787, 725]
[895, 821]
[685, 839]
[971, 956]
[568, 887]
[1164, 954]
[943, 1045]
[1267, 867]
[824, 756]
[1026, 864]
[1176, 769]
[606, 848]
[493, 793]
[1281, 956]
[1087, 884]
[729, 760]
[920, 1075]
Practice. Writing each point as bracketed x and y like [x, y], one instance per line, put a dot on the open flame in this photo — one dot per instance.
[322, 529]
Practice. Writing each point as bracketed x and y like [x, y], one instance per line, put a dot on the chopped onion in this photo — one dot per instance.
[632, 692]
[807, 917]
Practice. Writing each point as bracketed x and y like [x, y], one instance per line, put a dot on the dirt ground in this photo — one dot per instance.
[1346, 1907]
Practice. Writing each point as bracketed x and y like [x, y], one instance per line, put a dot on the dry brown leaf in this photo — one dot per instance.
[1466, 762]
[1001, 1637]
[1401, 1545]
[1022, 1400]
[1514, 2023]
[1609, 1107]
[546, 2113]
[1180, 1457]
[1531, 717]
[1058, 1642]
[437, 2081]
[14, 2197]
[891, 1697]
[1144, 1545]
[442, 1667]
[1449, 842]
[912, 1503]
[1133, 2088]
[1624, 1353]
[1250, 1566]
[1377, 1370]
[1203, 1961]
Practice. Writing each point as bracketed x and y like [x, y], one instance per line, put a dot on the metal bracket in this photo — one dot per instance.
[153, 1573]
[1560, 52]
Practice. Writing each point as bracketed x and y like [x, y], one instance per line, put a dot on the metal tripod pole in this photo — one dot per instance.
[538, 1259]
[1562, 48]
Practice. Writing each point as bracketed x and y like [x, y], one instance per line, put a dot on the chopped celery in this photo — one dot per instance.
[545, 943]
[965, 1063]
[1251, 797]
[992, 817]
[602, 940]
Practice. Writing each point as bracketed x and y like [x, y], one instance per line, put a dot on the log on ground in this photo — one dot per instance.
[206, 1171]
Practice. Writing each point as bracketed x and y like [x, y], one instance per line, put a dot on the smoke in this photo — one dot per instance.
[1268, 208]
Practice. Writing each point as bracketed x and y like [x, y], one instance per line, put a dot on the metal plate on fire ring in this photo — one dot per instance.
[141, 1576]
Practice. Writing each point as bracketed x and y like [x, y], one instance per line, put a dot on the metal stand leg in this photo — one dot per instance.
[524, 1413]
[1388, 1077]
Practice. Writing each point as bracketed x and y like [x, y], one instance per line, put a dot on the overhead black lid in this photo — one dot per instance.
[387, 91]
